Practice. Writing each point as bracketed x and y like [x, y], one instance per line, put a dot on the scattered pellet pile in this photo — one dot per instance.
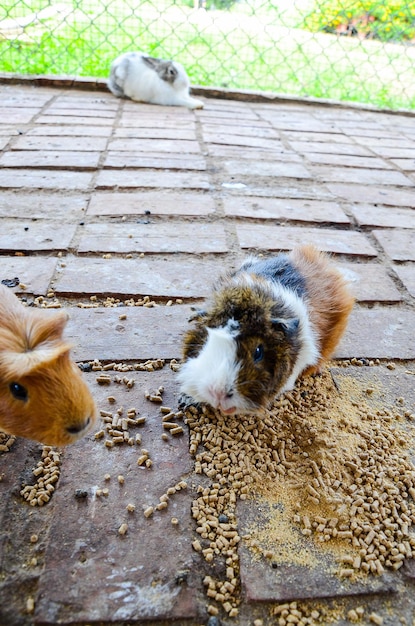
[337, 465]
[46, 472]
[6, 442]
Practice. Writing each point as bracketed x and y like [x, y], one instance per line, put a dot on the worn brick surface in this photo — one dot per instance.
[240, 140]
[137, 132]
[30, 235]
[379, 333]
[51, 158]
[152, 238]
[280, 238]
[347, 160]
[27, 205]
[131, 586]
[157, 160]
[155, 202]
[371, 283]
[74, 120]
[147, 333]
[70, 131]
[44, 179]
[398, 244]
[139, 277]
[329, 148]
[406, 274]
[374, 194]
[154, 145]
[372, 215]
[254, 154]
[108, 179]
[275, 169]
[59, 142]
[196, 191]
[34, 272]
[284, 210]
[362, 176]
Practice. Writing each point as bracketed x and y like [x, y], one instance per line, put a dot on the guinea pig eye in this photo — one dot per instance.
[258, 353]
[18, 391]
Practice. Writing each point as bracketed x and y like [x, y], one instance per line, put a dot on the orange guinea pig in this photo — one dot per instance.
[42, 393]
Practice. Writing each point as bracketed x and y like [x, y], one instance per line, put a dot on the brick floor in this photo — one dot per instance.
[104, 201]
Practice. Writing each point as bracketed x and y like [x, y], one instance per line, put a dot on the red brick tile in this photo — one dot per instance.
[329, 148]
[153, 238]
[59, 142]
[154, 145]
[27, 235]
[373, 194]
[27, 205]
[267, 168]
[266, 237]
[109, 179]
[361, 175]
[50, 158]
[34, 272]
[370, 215]
[156, 202]
[398, 244]
[370, 283]
[382, 333]
[159, 278]
[141, 573]
[406, 274]
[285, 210]
[44, 179]
[159, 160]
[147, 333]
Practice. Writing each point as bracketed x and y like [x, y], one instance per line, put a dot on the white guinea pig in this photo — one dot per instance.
[268, 322]
[143, 78]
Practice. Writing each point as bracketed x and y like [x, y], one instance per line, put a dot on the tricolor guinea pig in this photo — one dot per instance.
[268, 322]
[42, 393]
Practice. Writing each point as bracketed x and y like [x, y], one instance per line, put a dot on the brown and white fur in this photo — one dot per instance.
[269, 322]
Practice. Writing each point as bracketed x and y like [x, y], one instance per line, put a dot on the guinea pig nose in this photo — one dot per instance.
[78, 428]
[229, 394]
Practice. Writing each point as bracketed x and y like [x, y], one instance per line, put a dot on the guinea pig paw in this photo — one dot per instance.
[184, 401]
[197, 315]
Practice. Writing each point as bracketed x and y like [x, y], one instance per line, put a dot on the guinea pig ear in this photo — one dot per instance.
[18, 364]
[151, 62]
[44, 328]
[287, 326]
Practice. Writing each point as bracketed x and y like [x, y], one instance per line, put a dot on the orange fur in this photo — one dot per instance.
[59, 407]
[329, 299]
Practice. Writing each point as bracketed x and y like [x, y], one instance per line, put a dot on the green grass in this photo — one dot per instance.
[253, 46]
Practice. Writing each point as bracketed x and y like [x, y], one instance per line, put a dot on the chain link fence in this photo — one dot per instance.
[350, 50]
